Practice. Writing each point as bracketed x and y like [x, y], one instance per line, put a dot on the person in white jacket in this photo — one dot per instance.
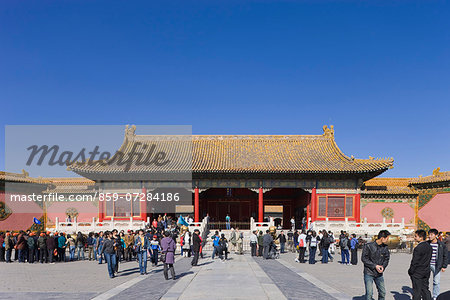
[186, 243]
[301, 247]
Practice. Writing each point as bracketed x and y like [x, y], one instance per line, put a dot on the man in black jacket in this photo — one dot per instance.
[196, 243]
[419, 271]
[282, 238]
[375, 257]
[267, 242]
[438, 259]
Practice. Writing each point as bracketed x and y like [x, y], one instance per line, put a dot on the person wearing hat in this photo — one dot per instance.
[8, 246]
[51, 245]
[31, 245]
[42, 246]
[21, 246]
[154, 245]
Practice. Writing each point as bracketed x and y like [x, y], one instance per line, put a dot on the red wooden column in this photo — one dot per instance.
[260, 206]
[196, 206]
[143, 205]
[308, 211]
[313, 205]
[358, 208]
[101, 210]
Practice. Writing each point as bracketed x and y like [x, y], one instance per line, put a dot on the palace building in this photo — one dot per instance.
[245, 176]
[250, 176]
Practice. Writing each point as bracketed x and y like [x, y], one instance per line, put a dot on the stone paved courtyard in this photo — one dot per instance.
[241, 277]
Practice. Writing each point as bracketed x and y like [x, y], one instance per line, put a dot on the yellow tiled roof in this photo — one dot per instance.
[387, 186]
[70, 185]
[437, 176]
[386, 181]
[21, 177]
[241, 154]
[69, 181]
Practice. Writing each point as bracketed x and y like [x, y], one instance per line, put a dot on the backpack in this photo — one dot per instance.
[223, 243]
[30, 242]
[301, 243]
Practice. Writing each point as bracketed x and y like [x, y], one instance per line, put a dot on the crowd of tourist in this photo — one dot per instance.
[158, 243]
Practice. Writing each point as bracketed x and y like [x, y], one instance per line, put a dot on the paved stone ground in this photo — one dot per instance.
[154, 286]
[242, 277]
[237, 278]
[290, 283]
[55, 281]
[349, 279]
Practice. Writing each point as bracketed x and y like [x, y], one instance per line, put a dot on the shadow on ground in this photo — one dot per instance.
[406, 294]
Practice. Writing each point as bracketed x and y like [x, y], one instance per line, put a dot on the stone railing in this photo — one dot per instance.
[202, 226]
[94, 226]
[260, 225]
[363, 227]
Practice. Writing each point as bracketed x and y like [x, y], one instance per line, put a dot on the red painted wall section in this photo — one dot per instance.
[373, 212]
[22, 214]
[86, 211]
[436, 212]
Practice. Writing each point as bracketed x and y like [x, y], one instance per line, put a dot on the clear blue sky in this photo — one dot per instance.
[379, 72]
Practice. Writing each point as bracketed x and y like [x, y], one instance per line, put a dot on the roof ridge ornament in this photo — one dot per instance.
[328, 132]
[437, 172]
[130, 132]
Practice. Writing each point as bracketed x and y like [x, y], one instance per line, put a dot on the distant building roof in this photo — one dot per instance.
[388, 186]
[21, 177]
[70, 185]
[436, 177]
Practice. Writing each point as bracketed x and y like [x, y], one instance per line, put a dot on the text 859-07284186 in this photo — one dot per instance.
[158, 197]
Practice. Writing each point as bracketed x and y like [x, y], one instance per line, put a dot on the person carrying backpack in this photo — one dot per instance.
[31, 245]
[345, 255]
[223, 244]
[216, 250]
[354, 249]
[301, 245]
[313, 241]
[325, 245]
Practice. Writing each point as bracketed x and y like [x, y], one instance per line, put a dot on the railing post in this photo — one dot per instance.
[76, 224]
[326, 224]
[131, 223]
[403, 223]
[93, 227]
[112, 223]
[57, 224]
[384, 222]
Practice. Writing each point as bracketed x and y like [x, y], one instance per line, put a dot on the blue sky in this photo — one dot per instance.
[379, 72]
